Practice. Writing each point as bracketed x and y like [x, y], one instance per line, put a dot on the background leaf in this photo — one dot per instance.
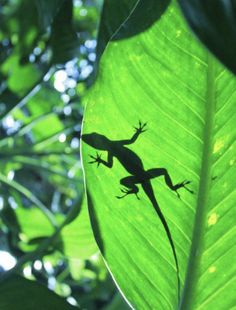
[28, 295]
[187, 99]
[47, 11]
[64, 40]
[78, 237]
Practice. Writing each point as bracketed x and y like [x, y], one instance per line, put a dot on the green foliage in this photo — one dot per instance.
[45, 51]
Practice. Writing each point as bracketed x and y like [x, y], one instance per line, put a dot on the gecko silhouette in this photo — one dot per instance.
[138, 175]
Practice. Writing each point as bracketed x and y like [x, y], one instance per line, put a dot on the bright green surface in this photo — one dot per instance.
[165, 78]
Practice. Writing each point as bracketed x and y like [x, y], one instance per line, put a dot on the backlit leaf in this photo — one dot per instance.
[165, 78]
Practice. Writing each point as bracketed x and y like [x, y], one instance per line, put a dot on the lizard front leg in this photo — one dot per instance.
[138, 130]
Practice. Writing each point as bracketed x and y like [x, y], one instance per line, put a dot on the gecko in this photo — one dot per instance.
[137, 174]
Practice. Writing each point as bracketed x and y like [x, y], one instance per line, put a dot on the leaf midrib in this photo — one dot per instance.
[203, 193]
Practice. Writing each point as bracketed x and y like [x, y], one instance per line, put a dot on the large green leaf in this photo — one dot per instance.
[215, 27]
[18, 293]
[164, 77]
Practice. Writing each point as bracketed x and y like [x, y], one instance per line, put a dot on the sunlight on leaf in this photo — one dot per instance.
[165, 78]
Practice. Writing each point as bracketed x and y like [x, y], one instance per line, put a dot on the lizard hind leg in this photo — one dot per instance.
[157, 172]
[130, 187]
[182, 184]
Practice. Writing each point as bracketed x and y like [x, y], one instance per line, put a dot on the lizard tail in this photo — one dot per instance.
[147, 187]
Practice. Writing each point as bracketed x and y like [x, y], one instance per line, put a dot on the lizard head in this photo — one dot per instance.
[96, 140]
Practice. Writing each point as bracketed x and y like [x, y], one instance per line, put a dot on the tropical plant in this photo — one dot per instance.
[157, 146]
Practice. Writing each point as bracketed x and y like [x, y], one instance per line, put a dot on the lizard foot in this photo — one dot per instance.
[182, 184]
[141, 127]
[97, 159]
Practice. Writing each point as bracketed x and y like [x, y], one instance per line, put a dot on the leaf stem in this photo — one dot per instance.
[203, 194]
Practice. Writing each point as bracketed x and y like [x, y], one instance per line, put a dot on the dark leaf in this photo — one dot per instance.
[18, 293]
[47, 11]
[214, 22]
